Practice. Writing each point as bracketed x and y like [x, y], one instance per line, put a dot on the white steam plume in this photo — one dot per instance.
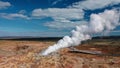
[105, 21]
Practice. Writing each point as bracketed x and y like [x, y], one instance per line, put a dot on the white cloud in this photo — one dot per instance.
[62, 16]
[13, 16]
[22, 11]
[58, 13]
[64, 25]
[94, 4]
[4, 4]
[55, 2]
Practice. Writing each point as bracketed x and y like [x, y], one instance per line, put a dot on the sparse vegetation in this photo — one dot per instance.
[25, 54]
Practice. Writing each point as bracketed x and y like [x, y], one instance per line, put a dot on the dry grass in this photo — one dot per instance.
[24, 54]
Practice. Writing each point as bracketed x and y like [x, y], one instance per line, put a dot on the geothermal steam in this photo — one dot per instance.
[105, 21]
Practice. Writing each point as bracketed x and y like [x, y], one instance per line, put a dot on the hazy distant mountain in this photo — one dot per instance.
[49, 38]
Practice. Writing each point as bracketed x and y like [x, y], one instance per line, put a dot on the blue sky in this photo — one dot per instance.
[48, 18]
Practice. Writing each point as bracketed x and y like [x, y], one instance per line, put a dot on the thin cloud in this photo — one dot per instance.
[55, 13]
[62, 17]
[62, 25]
[94, 4]
[4, 5]
[13, 16]
[57, 1]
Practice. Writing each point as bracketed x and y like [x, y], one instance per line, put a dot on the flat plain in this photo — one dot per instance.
[26, 54]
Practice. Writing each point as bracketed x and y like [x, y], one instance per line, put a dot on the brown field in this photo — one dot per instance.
[25, 54]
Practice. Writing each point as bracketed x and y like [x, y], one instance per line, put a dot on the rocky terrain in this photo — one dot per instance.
[26, 54]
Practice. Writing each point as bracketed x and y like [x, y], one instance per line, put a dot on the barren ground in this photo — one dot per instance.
[25, 54]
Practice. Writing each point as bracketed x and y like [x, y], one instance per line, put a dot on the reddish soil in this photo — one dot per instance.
[25, 54]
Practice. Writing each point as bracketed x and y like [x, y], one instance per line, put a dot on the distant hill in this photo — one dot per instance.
[107, 37]
[29, 38]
